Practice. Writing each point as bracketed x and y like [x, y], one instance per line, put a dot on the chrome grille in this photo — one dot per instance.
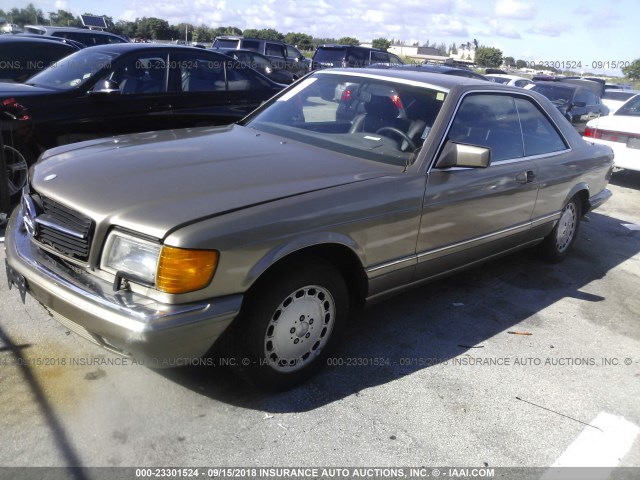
[64, 229]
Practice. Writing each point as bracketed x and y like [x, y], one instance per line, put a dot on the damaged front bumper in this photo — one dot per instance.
[123, 322]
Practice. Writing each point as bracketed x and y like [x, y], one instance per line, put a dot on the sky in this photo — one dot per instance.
[591, 33]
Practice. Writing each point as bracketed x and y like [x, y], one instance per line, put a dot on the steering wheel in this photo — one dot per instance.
[400, 133]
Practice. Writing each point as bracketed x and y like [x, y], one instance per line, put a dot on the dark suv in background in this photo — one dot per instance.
[284, 56]
[336, 56]
[25, 56]
[85, 36]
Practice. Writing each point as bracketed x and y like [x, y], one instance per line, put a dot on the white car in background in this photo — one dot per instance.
[614, 98]
[512, 80]
[620, 131]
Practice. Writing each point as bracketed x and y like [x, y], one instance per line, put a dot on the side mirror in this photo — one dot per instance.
[461, 155]
[105, 87]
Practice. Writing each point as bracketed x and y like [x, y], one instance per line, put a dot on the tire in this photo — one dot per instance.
[557, 244]
[290, 324]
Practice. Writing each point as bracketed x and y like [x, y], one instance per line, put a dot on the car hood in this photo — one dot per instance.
[21, 90]
[156, 181]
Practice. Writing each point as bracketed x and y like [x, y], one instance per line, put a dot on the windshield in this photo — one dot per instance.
[73, 71]
[500, 80]
[559, 95]
[631, 107]
[379, 120]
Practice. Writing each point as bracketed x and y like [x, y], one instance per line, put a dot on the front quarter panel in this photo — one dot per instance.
[375, 219]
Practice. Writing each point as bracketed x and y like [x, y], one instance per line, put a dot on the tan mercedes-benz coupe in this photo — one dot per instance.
[266, 234]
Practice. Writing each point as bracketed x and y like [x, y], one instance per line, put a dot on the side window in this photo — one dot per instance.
[274, 50]
[141, 74]
[489, 121]
[581, 96]
[292, 52]
[379, 57]
[200, 74]
[394, 59]
[539, 134]
[251, 45]
[240, 78]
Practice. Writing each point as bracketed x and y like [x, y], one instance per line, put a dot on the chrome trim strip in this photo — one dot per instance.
[427, 253]
[59, 228]
[553, 216]
[391, 263]
[58, 254]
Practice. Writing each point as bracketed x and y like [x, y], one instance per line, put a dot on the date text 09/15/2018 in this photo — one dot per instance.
[574, 64]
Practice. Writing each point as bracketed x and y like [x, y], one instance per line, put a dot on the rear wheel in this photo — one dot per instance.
[288, 328]
[557, 244]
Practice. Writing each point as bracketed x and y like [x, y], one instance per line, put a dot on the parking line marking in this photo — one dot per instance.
[601, 447]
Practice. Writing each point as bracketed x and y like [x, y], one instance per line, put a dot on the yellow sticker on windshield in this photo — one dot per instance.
[440, 96]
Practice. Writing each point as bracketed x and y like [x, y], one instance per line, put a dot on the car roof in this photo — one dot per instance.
[505, 75]
[18, 37]
[35, 38]
[126, 47]
[436, 79]
[341, 46]
[440, 69]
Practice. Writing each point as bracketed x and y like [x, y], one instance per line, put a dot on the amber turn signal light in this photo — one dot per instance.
[181, 270]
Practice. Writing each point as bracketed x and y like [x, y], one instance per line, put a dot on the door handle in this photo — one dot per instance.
[526, 177]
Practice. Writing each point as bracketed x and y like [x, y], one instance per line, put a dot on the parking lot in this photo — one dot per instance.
[504, 365]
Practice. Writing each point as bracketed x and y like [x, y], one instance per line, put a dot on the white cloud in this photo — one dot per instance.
[550, 29]
[520, 10]
[498, 29]
[62, 5]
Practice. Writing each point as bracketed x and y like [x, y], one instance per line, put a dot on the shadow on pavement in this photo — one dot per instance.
[626, 178]
[437, 322]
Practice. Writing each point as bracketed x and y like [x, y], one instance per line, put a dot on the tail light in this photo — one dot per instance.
[609, 136]
[346, 95]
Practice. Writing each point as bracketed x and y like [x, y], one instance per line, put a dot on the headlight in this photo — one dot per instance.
[131, 255]
[169, 269]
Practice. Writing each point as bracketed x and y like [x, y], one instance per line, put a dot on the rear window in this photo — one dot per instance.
[223, 43]
[618, 95]
[330, 54]
[632, 107]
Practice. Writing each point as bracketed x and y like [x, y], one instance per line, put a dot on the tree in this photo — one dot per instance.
[632, 71]
[223, 31]
[300, 40]
[26, 16]
[488, 57]
[509, 61]
[521, 64]
[348, 41]
[202, 34]
[264, 34]
[62, 18]
[453, 49]
[381, 43]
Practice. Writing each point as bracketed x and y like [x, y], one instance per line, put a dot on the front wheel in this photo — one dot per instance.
[557, 244]
[288, 328]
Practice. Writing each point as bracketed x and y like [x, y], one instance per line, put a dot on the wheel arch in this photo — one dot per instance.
[342, 257]
[581, 191]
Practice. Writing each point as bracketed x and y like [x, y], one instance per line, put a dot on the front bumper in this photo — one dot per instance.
[158, 335]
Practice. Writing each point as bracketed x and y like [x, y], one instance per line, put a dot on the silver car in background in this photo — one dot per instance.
[263, 236]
